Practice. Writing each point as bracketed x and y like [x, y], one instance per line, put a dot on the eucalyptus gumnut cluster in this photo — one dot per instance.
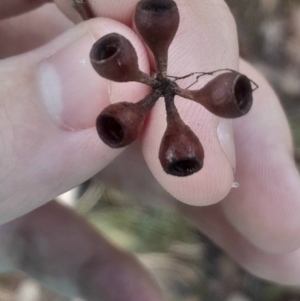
[113, 57]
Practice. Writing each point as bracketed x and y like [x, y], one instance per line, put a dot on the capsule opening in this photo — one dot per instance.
[184, 167]
[243, 93]
[105, 48]
[110, 131]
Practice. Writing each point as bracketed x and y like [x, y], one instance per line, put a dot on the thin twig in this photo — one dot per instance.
[83, 8]
[256, 86]
[200, 74]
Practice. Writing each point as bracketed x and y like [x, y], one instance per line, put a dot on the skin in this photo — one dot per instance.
[49, 100]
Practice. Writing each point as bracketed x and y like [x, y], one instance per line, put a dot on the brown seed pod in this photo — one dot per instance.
[157, 22]
[113, 57]
[119, 124]
[228, 95]
[181, 153]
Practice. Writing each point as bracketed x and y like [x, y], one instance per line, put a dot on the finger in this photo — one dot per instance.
[50, 99]
[121, 11]
[204, 41]
[22, 34]
[55, 246]
[10, 8]
[212, 222]
[265, 208]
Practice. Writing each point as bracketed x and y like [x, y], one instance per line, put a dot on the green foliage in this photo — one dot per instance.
[142, 229]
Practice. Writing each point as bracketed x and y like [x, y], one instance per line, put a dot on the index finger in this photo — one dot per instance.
[9, 8]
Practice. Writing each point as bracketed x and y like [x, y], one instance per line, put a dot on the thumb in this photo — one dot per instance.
[49, 100]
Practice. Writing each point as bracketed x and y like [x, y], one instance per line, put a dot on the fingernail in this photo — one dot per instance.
[225, 136]
[72, 92]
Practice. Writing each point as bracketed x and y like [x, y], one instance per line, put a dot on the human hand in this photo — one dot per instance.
[51, 144]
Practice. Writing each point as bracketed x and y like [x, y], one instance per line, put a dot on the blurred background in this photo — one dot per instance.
[269, 37]
[188, 266]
